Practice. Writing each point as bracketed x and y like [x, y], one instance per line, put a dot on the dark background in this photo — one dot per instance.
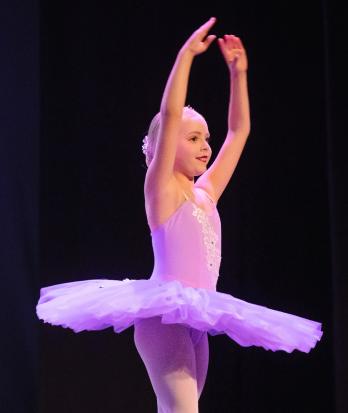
[80, 83]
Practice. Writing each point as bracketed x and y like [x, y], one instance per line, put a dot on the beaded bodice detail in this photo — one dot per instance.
[187, 247]
[210, 239]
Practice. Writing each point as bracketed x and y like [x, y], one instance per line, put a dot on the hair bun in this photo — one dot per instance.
[145, 145]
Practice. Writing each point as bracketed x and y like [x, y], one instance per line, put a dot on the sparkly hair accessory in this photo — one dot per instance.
[145, 145]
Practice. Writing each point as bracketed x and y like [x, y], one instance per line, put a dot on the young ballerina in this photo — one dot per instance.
[174, 309]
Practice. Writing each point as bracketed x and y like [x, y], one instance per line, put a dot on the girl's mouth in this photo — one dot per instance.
[203, 159]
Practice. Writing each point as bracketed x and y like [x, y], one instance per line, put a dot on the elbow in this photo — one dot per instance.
[245, 131]
[169, 113]
[240, 127]
[240, 133]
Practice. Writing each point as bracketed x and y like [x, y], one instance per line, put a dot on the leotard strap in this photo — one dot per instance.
[207, 195]
[186, 197]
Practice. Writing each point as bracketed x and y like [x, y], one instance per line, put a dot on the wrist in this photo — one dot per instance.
[186, 53]
[237, 74]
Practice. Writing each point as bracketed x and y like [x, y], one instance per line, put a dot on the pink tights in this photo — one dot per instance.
[176, 358]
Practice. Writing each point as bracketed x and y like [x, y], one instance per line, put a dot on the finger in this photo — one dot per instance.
[221, 44]
[207, 25]
[239, 43]
[229, 41]
[209, 40]
[225, 48]
[234, 41]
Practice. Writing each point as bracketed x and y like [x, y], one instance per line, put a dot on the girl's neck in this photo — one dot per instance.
[186, 183]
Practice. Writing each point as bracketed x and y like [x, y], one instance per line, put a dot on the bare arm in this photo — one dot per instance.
[161, 168]
[216, 178]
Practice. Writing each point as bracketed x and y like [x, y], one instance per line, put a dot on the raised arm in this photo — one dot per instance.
[160, 171]
[216, 178]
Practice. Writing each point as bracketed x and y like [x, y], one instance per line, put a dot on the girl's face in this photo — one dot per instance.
[193, 151]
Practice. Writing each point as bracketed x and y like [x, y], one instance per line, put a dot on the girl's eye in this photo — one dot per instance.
[194, 138]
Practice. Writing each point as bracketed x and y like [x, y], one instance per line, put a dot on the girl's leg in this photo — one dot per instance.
[168, 353]
[201, 347]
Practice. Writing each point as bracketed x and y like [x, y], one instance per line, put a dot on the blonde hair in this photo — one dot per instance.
[150, 140]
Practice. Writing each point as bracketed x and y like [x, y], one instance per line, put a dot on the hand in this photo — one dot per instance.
[196, 44]
[234, 53]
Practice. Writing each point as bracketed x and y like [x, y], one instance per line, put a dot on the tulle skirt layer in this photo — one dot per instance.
[99, 304]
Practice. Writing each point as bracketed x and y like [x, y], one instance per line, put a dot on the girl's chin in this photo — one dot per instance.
[200, 171]
[196, 171]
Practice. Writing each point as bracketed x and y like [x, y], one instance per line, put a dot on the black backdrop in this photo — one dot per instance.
[99, 70]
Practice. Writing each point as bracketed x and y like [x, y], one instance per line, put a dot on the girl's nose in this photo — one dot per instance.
[205, 146]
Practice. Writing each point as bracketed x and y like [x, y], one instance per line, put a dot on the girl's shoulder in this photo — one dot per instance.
[161, 203]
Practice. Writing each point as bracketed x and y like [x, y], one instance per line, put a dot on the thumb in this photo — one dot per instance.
[209, 40]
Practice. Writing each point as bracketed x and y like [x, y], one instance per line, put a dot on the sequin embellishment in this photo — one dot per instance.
[210, 239]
